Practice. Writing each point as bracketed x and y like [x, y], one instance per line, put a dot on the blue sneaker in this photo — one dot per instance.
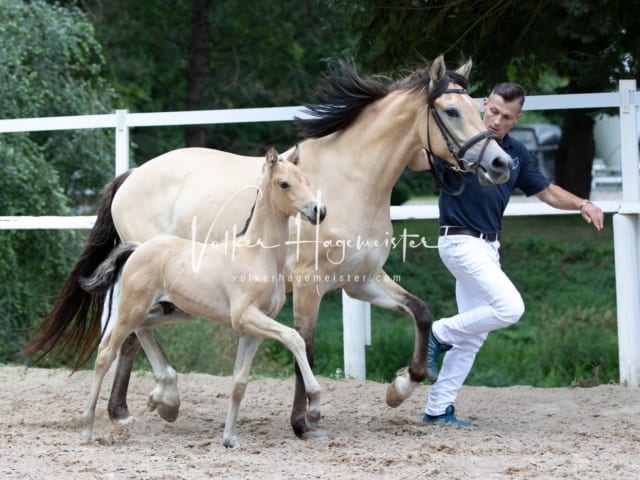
[434, 350]
[447, 417]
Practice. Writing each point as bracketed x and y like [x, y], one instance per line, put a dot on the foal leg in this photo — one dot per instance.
[165, 397]
[118, 409]
[247, 348]
[387, 294]
[253, 322]
[107, 352]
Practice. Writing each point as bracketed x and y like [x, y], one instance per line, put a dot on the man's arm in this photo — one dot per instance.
[560, 198]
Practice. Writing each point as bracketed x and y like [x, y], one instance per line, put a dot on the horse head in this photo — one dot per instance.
[289, 188]
[454, 130]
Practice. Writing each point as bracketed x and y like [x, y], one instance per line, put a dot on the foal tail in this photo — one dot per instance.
[107, 273]
[72, 326]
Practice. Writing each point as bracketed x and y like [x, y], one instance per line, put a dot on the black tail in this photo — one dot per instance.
[72, 327]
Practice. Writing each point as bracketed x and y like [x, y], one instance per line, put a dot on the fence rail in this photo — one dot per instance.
[356, 314]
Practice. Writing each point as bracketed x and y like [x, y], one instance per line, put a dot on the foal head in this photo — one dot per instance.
[288, 188]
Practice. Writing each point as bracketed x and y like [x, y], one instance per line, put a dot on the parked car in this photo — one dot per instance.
[542, 141]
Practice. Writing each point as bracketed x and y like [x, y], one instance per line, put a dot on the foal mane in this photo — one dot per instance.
[345, 94]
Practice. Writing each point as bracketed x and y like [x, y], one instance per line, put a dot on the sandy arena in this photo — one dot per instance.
[519, 432]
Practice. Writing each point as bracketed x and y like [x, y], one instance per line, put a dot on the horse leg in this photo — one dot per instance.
[107, 352]
[165, 397]
[117, 406]
[306, 305]
[385, 293]
[254, 322]
[247, 348]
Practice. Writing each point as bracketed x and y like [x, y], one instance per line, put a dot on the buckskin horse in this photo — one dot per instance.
[358, 138]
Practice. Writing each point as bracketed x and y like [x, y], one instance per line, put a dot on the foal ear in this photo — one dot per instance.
[465, 69]
[438, 70]
[295, 155]
[272, 157]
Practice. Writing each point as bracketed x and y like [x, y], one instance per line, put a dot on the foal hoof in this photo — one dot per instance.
[168, 413]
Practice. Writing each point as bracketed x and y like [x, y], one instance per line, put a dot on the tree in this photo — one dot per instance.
[50, 64]
[200, 54]
[591, 44]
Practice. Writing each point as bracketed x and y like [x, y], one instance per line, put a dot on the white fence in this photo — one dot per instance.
[356, 314]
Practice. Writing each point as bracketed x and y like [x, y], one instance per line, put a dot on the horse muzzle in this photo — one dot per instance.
[492, 165]
[315, 212]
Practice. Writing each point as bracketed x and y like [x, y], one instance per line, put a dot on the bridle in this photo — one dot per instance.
[457, 151]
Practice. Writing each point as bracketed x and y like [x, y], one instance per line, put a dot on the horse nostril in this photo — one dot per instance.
[501, 163]
[323, 213]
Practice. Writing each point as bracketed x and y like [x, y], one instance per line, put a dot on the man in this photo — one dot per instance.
[470, 226]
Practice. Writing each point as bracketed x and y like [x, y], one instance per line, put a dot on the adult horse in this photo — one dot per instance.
[360, 136]
[240, 284]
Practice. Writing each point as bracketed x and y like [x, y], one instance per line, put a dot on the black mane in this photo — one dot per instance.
[339, 102]
[346, 94]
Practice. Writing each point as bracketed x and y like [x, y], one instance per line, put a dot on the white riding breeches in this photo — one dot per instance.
[487, 300]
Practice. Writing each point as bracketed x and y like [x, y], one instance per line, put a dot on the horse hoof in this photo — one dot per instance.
[393, 397]
[168, 413]
[124, 422]
[317, 435]
[119, 413]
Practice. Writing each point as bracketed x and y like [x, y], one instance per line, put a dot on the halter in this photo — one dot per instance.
[452, 144]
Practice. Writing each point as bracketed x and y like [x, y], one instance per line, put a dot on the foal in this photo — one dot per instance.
[239, 282]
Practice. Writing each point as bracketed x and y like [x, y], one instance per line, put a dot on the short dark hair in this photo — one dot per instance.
[510, 92]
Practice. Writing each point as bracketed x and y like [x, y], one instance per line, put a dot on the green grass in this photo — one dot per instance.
[562, 266]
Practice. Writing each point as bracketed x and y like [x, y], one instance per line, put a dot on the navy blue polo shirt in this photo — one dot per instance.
[481, 207]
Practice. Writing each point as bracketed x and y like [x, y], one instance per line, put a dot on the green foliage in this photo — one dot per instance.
[50, 64]
[260, 53]
[31, 262]
[592, 43]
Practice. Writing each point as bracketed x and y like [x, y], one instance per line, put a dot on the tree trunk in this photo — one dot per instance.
[575, 154]
[199, 74]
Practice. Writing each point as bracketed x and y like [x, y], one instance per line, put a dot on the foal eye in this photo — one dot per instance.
[452, 112]
[284, 184]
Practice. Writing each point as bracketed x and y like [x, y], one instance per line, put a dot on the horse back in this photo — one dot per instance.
[187, 190]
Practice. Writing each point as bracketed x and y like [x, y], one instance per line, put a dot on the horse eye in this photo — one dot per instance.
[284, 184]
[452, 112]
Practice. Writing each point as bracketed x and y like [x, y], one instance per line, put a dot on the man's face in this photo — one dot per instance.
[500, 116]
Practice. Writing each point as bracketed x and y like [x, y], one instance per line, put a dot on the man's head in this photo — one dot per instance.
[503, 108]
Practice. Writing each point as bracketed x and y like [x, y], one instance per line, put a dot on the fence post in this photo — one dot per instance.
[626, 231]
[122, 142]
[356, 333]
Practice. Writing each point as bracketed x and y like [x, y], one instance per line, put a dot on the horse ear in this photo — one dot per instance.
[465, 69]
[295, 155]
[272, 157]
[438, 70]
